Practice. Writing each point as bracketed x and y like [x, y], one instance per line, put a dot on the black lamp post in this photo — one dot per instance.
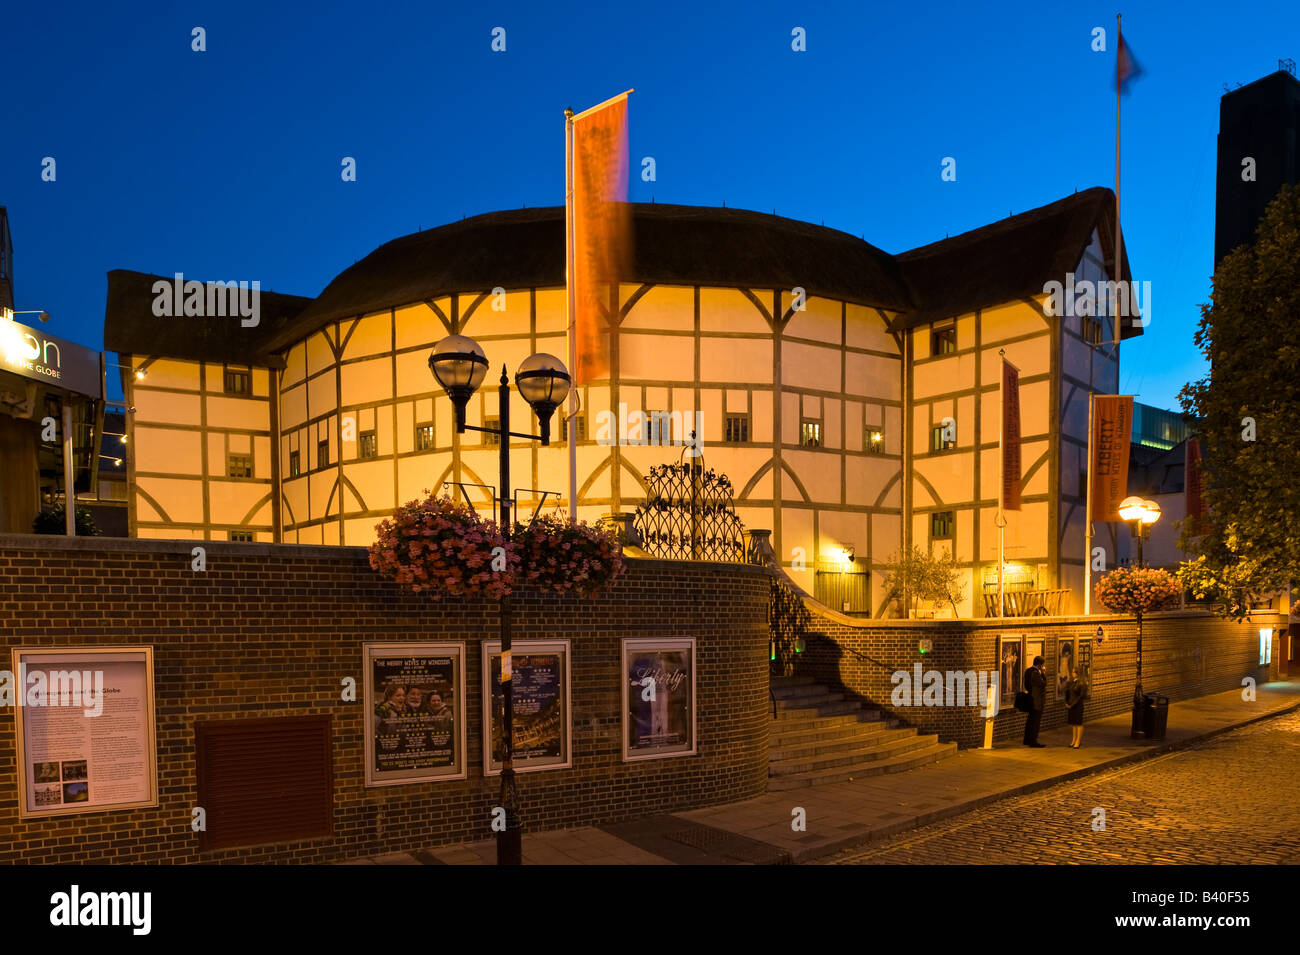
[1140, 515]
[459, 365]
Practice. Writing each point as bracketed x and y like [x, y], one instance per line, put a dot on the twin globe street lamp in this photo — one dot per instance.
[1140, 515]
[459, 366]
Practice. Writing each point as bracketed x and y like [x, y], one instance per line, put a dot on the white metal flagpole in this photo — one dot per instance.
[570, 308]
[1119, 92]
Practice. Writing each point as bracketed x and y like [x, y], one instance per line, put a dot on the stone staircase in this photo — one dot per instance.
[819, 737]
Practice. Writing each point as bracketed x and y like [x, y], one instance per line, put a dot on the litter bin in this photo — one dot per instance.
[1155, 715]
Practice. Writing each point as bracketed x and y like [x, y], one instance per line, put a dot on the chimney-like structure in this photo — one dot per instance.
[1259, 122]
[6, 263]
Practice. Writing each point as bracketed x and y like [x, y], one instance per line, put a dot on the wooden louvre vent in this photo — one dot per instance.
[264, 780]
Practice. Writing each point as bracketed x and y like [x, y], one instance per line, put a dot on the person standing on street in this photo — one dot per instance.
[1074, 694]
[1036, 687]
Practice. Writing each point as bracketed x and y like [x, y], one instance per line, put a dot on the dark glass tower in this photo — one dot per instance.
[1260, 121]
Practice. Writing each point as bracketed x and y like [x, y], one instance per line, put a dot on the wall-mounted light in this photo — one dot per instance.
[139, 374]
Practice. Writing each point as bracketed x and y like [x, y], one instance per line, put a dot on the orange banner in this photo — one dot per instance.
[1010, 437]
[602, 230]
[1112, 433]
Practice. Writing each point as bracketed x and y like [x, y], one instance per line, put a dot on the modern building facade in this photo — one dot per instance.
[1259, 152]
[51, 409]
[852, 396]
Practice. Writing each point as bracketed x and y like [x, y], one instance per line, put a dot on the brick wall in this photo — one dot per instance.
[1184, 655]
[272, 630]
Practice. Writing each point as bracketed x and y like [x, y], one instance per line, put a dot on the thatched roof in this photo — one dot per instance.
[1010, 259]
[730, 248]
[130, 326]
[672, 244]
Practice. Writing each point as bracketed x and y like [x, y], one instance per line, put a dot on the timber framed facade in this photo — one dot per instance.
[815, 365]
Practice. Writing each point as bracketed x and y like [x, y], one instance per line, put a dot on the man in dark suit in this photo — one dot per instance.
[1036, 687]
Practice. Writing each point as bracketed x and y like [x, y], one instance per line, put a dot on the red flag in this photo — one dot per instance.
[1194, 486]
[1010, 436]
[602, 229]
[1112, 433]
[1127, 68]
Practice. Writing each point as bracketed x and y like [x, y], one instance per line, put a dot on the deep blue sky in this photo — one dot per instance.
[225, 164]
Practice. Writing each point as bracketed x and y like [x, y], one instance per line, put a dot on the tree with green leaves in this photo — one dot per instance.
[917, 575]
[1249, 406]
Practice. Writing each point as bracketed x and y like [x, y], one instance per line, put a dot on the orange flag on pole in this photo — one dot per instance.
[1112, 430]
[1010, 436]
[600, 230]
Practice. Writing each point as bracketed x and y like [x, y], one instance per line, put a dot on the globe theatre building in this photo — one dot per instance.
[851, 395]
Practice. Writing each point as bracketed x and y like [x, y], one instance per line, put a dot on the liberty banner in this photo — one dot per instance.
[415, 726]
[1112, 428]
[540, 690]
[658, 698]
[1010, 436]
[601, 230]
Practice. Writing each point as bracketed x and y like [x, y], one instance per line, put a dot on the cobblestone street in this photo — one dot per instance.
[1231, 799]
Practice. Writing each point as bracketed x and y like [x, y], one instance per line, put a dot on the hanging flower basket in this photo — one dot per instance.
[560, 557]
[1138, 590]
[437, 545]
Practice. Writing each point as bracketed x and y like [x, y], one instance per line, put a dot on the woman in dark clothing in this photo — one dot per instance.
[1074, 693]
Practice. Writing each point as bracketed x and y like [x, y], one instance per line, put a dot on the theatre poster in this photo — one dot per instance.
[658, 698]
[414, 712]
[539, 679]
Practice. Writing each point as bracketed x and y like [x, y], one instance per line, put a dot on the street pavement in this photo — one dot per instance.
[862, 813]
[1231, 799]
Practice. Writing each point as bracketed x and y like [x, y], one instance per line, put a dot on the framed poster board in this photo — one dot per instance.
[1034, 648]
[1064, 664]
[84, 721]
[1011, 665]
[658, 698]
[540, 695]
[1083, 664]
[414, 712]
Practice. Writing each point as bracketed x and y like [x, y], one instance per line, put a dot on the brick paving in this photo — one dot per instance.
[863, 812]
[1229, 800]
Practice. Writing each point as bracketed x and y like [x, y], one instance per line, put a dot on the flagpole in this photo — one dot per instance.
[1087, 521]
[571, 311]
[1119, 53]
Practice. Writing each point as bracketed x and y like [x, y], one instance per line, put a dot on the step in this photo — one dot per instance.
[800, 691]
[884, 750]
[871, 734]
[786, 726]
[809, 702]
[836, 708]
[792, 681]
[896, 764]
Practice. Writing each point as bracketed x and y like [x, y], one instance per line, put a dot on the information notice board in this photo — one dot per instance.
[84, 719]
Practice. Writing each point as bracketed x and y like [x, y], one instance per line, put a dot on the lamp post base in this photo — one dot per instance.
[1137, 729]
[510, 843]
